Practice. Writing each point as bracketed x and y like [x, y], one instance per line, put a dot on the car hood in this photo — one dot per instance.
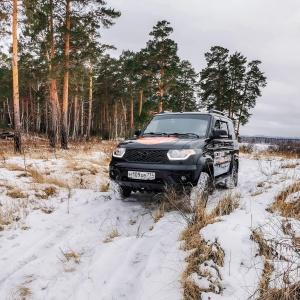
[159, 142]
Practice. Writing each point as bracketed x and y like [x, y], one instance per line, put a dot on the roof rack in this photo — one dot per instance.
[217, 112]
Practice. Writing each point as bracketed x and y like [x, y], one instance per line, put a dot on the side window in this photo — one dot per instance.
[221, 125]
[224, 126]
[217, 125]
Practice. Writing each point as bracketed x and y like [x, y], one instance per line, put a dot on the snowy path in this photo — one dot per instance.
[94, 246]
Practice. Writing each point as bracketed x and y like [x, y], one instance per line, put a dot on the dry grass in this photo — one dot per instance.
[203, 252]
[111, 235]
[70, 260]
[264, 249]
[37, 176]
[71, 255]
[104, 188]
[227, 204]
[289, 165]
[173, 200]
[47, 209]
[289, 151]
[13, 167]
[12, 212]
[265, 292]
[287, 208]
[246, 148]
[290, 292]
[50, 191]
[15, 193]
[256, 193]
[200, 251]
[37, 146]
[23, 292]
[85, 171]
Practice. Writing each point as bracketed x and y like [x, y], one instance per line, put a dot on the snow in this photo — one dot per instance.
[92, 245]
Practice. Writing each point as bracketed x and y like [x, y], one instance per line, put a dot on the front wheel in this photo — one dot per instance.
[119, 191]
[200, 192]
[126, 192]
[232, 181]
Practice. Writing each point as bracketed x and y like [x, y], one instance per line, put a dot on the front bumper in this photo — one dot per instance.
[176, 176]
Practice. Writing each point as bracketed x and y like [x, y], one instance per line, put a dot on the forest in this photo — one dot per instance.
[58, 79]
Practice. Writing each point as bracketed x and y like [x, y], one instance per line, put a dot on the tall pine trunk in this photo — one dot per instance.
[131, 110]
[124, 117]
[88, 130]
[76, 114]
[141, 102]
[54, 103]
[17, 124]
[64, 125]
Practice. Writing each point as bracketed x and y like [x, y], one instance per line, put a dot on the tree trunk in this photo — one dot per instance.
[124, 117]
[239, 119]
[116, 120]
[76, 114]
[160, 104]
[64, 125]
[10, 121]
[82, 118]
[88, 130]
[131, 109]
[54, 103]
[141, 102]
[17, 125]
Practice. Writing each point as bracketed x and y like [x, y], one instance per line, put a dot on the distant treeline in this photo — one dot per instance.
[269, 140]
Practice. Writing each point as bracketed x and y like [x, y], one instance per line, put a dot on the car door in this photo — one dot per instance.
[223, 149]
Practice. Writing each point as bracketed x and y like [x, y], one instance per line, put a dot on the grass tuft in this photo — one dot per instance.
[111, 235]
[288, 208]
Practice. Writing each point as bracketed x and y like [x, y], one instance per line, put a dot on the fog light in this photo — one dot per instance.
[112, 174]
[183, 178]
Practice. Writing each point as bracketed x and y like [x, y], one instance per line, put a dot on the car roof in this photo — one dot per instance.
[213, 112]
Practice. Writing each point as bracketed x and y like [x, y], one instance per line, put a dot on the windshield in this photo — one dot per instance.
[179, 124]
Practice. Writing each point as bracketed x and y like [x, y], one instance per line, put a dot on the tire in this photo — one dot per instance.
[126, 191]
[199, 193]
[232, 181]
[118, 191]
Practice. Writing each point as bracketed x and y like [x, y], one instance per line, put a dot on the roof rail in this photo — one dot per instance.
[217, 112]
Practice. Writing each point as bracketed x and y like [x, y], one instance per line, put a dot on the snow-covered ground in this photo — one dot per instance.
[81, 242]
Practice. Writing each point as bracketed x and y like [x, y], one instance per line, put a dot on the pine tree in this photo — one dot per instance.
[159, 61]
[254, 81]
[231, 85]
[236, 77]
[214, 83]
[183, 94]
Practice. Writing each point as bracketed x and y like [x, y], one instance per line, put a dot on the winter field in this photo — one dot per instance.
[65, 235]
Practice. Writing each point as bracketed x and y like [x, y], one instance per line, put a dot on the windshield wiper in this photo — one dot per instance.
[185, 133]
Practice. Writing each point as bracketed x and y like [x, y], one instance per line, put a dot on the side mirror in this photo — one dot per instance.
[219, 134]
[138, 132]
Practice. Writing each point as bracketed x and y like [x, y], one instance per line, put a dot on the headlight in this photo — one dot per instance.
[180, 154]
[119, 152]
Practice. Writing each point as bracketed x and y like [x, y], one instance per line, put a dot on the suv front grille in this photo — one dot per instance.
[144, 155]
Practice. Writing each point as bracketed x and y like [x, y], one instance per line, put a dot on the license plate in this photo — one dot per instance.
[141, 175]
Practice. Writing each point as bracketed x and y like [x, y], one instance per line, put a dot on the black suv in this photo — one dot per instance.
[173, 150]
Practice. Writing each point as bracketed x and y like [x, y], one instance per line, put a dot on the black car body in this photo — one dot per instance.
[173, 150]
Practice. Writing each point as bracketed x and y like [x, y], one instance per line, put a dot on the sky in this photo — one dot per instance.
[267, 30]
